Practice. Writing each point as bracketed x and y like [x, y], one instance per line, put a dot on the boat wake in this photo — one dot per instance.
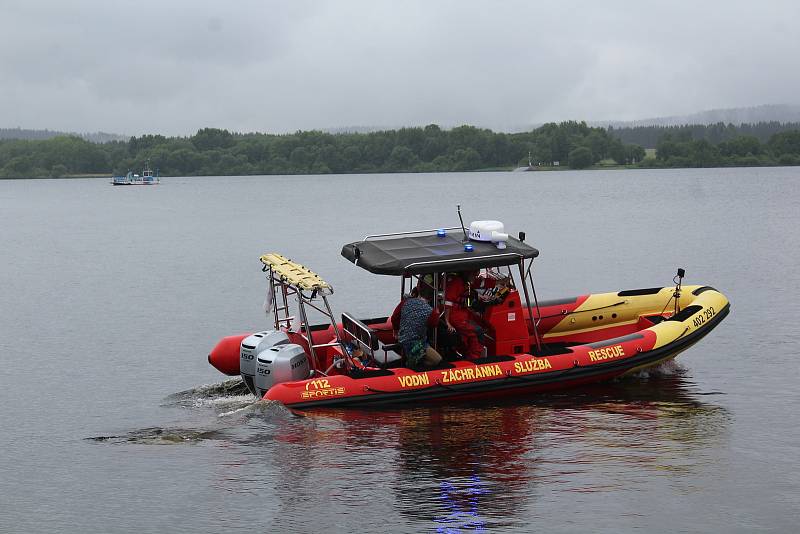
[668, 368]
[224, 397]
[232, 405]
[160, 436]
[224, 427]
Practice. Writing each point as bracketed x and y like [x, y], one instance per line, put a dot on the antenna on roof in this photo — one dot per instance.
[458, 206]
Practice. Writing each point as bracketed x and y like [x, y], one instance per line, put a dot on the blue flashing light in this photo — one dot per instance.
[468, 247]
[440, 232]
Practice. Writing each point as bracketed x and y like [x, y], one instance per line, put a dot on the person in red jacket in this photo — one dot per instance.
[457, 315]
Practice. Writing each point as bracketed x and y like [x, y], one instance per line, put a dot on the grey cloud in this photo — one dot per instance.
[172, 67]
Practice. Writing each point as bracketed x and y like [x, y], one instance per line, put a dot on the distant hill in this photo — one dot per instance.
[94, 137]
[780, 113]
[753, 115]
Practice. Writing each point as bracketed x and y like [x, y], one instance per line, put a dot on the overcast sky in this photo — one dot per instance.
[173, 66]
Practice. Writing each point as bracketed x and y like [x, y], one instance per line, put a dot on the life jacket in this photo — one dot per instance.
[463, 299]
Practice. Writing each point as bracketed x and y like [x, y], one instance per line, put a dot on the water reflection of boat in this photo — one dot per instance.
[530, 346]
[458, 468]
[450, 467]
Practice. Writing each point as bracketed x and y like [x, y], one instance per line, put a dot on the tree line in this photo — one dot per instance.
[649, 136]
[218, 152]
[682, 150]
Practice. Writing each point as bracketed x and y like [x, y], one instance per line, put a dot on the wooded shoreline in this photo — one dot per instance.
[215, 152]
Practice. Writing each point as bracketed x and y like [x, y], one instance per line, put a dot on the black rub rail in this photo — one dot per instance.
[524, 381]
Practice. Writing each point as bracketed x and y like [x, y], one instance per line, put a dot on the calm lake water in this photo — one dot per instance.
[112, 420]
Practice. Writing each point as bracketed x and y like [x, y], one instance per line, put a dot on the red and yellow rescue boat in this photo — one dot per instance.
[531, 346]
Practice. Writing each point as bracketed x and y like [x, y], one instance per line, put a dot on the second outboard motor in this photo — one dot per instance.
[283, 363]
[250, 348]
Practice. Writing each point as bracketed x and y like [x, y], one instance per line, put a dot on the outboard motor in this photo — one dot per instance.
[250, 348]
[282, 363]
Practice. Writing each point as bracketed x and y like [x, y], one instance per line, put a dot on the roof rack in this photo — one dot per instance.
[395, 234]
[452, 260]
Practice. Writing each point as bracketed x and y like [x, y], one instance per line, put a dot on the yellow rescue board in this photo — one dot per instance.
[293, 273]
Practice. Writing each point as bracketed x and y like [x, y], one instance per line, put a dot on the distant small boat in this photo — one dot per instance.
[530, 167]
[146, 178]
[121, 180]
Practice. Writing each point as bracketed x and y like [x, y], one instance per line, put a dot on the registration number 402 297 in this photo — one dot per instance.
[704, 316]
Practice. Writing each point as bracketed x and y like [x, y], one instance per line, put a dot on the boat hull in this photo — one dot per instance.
[516, 375]
[586, 339]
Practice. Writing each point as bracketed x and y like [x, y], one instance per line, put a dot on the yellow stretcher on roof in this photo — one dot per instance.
[293, 273]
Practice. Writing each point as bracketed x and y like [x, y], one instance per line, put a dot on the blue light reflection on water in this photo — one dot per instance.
[462, 506]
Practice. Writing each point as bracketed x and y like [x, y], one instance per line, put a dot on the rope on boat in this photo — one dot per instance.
[369, 388]
[565, 312]
[528, 378]
[439, 383]
[509, 375]
[667, 304]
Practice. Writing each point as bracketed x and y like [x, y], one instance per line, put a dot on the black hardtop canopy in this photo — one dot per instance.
[427, 253]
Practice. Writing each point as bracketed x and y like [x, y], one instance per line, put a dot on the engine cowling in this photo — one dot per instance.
[251, 347]
[282, 363]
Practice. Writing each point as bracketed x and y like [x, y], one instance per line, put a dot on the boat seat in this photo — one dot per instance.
[396, 347]
[396, 360]
[390, 360]
[367, 340]
[653, 319]
[365, 337]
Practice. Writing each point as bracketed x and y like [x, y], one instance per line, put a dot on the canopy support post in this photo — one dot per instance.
[435, 302]
[307, 328]
[533, 289]
[528, 304]
[274, 298]
[280, 314]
